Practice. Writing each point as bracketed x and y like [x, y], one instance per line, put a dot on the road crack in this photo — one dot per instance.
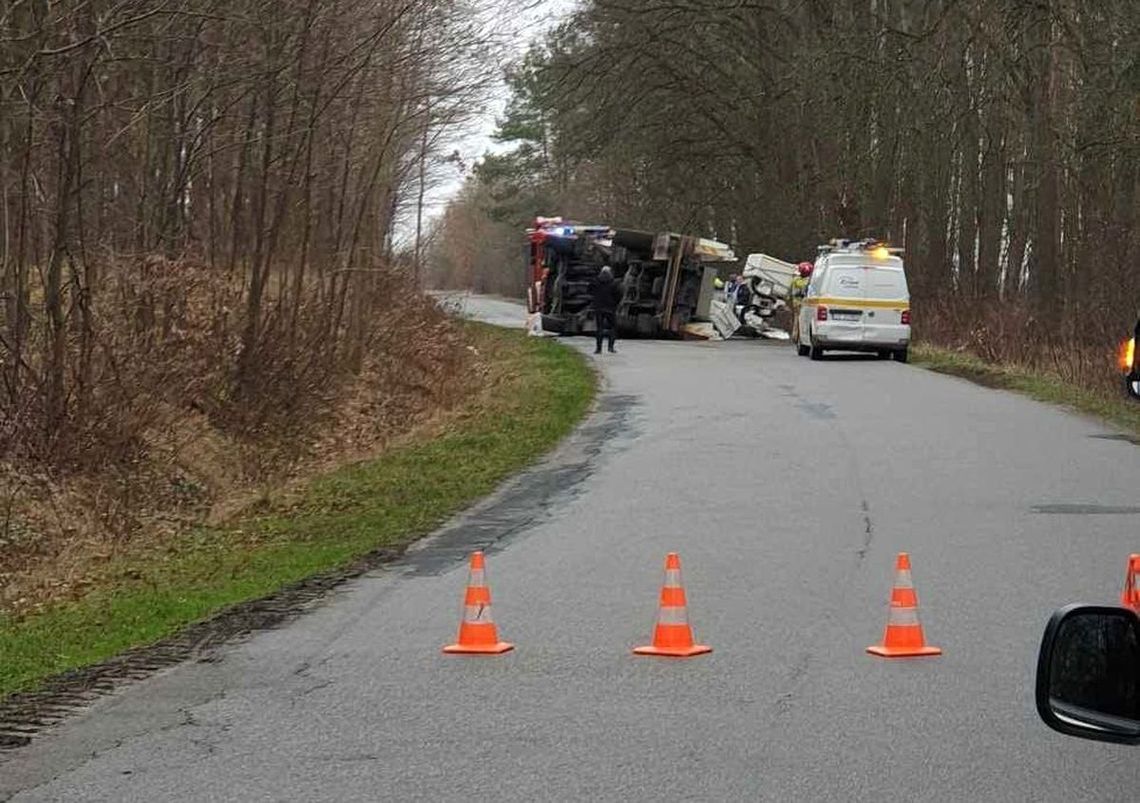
[868, 533]
[792, 685]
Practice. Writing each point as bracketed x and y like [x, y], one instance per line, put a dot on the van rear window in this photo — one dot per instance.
[845, 283]
[885, 283]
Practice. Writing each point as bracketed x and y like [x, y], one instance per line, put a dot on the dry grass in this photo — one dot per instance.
[533, 391]
[1114, 407]
[182, 461]
[1077, 346]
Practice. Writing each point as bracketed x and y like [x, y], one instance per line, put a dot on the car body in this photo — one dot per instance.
[857, 300]
[1130, 364]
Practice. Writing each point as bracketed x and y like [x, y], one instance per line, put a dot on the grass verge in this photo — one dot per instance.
[1118, 411]
[536, 392]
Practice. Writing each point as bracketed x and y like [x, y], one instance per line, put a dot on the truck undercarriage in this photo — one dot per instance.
[667, 279]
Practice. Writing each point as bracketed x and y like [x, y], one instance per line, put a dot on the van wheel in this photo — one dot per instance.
[802, 350]
[815, 352]
[902, 355]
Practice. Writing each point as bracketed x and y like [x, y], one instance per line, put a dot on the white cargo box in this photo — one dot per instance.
[769, 276]
[724, 319]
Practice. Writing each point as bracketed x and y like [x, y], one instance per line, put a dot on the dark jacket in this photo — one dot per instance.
[606, 292]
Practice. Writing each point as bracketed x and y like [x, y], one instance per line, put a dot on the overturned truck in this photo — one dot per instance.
[667, 279]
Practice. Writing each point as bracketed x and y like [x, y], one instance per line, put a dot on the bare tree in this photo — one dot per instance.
[996, 139]
[159, 158]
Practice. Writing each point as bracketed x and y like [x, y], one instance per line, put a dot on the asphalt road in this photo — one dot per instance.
[499, 311]
[787, 486]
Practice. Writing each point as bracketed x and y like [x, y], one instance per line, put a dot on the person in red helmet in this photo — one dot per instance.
[795, 296]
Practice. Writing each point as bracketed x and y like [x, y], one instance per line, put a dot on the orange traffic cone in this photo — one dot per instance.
[1131, 594]
[673, 636]
[477, 633]
[903, 637]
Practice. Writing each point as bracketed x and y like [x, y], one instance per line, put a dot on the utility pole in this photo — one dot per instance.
[417, 259]
[417, 262]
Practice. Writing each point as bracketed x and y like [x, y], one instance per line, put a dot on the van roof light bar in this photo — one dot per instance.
[868, 244]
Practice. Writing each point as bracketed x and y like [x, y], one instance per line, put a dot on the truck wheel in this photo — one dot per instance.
[802, 350]
[815, 352]
[902, 355]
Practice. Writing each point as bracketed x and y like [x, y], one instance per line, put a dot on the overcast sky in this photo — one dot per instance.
[522, 28]
[530, 25]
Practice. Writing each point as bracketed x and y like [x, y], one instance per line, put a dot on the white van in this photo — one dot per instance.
[857, 300]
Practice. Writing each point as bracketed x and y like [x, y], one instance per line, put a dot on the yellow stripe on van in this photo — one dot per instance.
[857, 303]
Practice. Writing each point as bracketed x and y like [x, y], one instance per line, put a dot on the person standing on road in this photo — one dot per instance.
[798, 291]
[606, 294]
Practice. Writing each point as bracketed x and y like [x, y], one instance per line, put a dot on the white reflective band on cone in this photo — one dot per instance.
[673, 616]
[902, 579]
[477, 613]
[477, 579]
[672, 578]
[903, 616]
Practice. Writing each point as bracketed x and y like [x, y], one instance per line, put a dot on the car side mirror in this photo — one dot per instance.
[1088, 673]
